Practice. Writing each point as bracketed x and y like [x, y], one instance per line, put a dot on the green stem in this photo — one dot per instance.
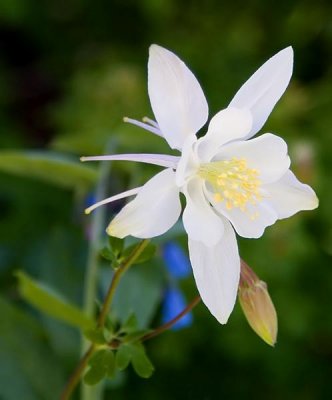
[173, 321]
[76, 375]
[116, 279]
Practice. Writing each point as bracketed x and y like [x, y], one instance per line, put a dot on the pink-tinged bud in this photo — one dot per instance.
[257, 305]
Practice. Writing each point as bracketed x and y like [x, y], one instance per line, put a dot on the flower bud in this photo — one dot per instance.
[257, 305]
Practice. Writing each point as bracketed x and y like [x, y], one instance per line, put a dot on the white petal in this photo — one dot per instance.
[154, 210]
[265, 87]
[227, 125]
[176, 97]
[289, 196]
[266, 153]
[250, 223]
[163, 160]
[200, 221]
[217, 271]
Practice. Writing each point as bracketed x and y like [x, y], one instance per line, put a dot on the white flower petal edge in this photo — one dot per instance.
[217, 271]
[265, 87]
[153, 212]
[227, 125]
[176, 97]
[289, 196]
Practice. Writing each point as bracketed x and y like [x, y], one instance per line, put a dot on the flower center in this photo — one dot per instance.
[233, 182]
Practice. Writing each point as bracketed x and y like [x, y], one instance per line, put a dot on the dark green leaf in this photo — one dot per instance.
[116, 244]
[123, 357]
[109, 362]
[97, 358]
[94, 375]
[146, 254]
[49, 167]
[102, 364]
[130, 324]
[108, 254]
[50, 303]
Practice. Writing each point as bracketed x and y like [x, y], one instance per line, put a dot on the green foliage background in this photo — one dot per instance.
[69, 71]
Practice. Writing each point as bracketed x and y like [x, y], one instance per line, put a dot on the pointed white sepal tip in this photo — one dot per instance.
[315, 202]
[287, 53]
[155, 48]
[223, 320]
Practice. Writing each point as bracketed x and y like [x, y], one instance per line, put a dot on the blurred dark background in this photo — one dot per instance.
[69, 71]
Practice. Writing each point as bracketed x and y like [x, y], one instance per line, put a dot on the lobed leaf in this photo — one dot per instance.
[102, 364]
[123, 357]
[140, 361]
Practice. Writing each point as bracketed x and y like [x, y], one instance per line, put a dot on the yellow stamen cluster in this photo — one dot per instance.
[233, 182]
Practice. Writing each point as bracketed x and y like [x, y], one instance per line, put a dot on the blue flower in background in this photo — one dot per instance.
[174, 303]
[178, 267]
[176, 260]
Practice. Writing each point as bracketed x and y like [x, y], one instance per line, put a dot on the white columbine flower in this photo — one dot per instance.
[230, 181]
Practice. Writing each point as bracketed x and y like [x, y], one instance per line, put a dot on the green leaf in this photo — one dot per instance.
[116, 244]
[94, 375]
[107, 253]
[141, 363]
[111, 256]
[146, 254]
[109, 362]
[102, 364]
[123, 357]
[130, 324]
[95, 335]
[49, 167]
[50, 303]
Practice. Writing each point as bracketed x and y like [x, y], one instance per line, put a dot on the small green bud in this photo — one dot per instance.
[257, 305]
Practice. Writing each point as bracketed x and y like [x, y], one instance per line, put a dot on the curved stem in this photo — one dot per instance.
[116, 279]
[173, 321]
[76, 375]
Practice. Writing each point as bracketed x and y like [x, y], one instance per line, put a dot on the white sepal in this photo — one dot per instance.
[217, 271]
[176, 97]
[265, 87]
[154, 210]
